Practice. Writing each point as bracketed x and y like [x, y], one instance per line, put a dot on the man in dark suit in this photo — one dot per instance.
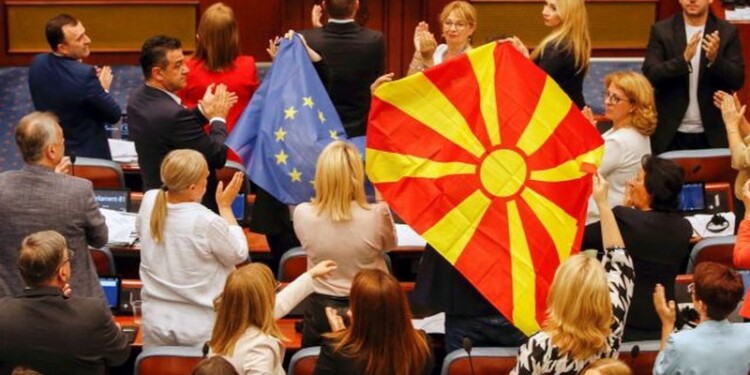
[36, 198]
[356, 58]
[690, 56]
[46, 331]
[77, 93]
[159, 123]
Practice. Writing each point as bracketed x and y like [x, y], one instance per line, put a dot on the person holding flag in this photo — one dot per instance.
[289, 121]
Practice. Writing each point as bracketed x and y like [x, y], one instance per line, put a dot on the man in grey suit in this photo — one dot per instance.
[37, 198]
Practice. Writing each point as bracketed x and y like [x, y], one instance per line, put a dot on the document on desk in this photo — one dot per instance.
[703, 227]
[123, 151]
[431, 324]
[121, 227]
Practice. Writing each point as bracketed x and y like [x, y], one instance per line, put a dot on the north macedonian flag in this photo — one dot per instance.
[488, 159]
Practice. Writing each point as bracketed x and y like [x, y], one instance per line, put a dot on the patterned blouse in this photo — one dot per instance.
[540, 356]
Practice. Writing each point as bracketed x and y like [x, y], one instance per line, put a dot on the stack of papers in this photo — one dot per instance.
[121, 227]
[123, 151]
[738, 14]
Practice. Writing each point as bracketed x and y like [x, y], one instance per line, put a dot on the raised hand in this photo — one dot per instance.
[667, 311]
[273, 47]
[601, 188]
[225, 197]
[105, 77]
[732, 113]
[388, 77]
[323, 268]
[316, 15]
[711, 45]
[692, 47]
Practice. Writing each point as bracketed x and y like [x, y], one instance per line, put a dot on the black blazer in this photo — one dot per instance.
[356, 57]
[159, 125]
[668, 72]
[42, 330]
[560, 64]
[71, 90]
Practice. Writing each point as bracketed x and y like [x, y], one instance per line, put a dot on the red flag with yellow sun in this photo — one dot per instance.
[488, 159]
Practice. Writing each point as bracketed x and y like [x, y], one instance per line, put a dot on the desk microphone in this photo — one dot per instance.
[634, 353]
[467, 346]
[72, 158]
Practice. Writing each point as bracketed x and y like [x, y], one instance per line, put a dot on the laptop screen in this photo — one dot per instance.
[111, 287]
[693, 197]
[113, 199]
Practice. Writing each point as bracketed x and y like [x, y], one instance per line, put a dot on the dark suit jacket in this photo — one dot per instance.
[42, 330]
[668, 72]
[36, 198]
[561, 66]
[159, 125]
[71, 90]
[356, 57]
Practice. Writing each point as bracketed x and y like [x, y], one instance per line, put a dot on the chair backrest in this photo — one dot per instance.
[167, 360]
[293, 264]
[483, 361]
[104, 261]
[713, 249]
[102, 173]
[709, 165]
[642, 360]
[303, 362]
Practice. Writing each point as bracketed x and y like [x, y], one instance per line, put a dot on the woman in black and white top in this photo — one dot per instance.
[590, 300]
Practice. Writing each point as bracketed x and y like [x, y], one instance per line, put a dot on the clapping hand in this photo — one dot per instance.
[388, 77]
[732, 112]
[589, 115]
[105, 77]
[424, 41]
[601, 188]
[225, 197]
[217, 101]
[691, 47]
[316, 15]
[667, 311]
[63, 167]
[711, 45]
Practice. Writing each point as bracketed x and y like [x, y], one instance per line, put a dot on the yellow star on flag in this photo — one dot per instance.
[333, 134]
[281, 157]
[280, 134]
[321, 117]
[289, 113]
[295, 175]
[308, 102]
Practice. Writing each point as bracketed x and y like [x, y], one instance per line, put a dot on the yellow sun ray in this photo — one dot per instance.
[437, 112]
[569, 170]
[553, 106]
[483, 62]
[557, 222]
[384, 167]
[446, 235]
[524, 276]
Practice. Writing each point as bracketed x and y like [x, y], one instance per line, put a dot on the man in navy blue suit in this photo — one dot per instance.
[76, 92]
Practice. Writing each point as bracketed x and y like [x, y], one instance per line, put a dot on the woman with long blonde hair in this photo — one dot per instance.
[586, 305]
[340, 225]
[246, 332]
[565, 52]
[187, 251]
[381, 339]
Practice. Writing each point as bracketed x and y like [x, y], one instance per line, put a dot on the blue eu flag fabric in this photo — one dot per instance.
[288, 122]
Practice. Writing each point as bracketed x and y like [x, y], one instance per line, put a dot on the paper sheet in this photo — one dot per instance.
[121, 227]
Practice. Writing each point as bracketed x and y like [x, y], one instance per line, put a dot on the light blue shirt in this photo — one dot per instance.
[714, 347]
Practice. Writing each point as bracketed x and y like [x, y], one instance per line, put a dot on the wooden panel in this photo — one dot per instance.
[108, 34]
[524, 19]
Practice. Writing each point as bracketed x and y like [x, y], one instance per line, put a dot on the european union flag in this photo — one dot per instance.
[288, 122]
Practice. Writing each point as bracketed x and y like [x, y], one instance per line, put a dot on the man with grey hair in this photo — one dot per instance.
[36, 198]
[43, 329]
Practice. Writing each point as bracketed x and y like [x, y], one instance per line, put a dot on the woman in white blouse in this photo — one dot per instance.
[629, 103]
[187, 251]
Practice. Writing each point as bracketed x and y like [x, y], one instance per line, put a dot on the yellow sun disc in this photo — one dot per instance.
[503, 172]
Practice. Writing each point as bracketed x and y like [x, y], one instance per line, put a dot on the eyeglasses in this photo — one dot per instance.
[459, 25]
[71, 253]
[613, 98]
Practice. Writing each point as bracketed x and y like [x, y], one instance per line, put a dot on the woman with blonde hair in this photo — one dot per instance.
[340, 225]
[187, 251]
[246, 332]
[381, 339]
[459, 21]
[586, 305]
[629, 103]
[564, 53]
[217, 60]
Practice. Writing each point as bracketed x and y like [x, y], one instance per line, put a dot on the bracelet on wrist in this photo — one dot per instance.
[616, 248]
